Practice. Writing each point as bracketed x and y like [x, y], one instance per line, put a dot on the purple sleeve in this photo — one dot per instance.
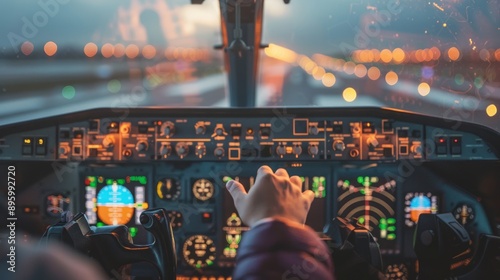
[275, 250]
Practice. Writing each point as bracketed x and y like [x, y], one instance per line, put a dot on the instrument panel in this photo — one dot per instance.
[372, 165]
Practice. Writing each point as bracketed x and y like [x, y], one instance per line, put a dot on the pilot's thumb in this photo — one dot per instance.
[237, 191]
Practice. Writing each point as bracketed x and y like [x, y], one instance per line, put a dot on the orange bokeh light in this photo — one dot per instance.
[107, 50]
[398, 55]
[391, 78]
[453, 53]
[119, 50]
[90, 49]
[148, 51]
[132, 51]
[386, 56]
[50, 48]
[27, 48]
[373, 73]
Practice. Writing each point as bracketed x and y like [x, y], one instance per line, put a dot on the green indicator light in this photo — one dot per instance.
[391, 236]
[109, 181]
[360, 180]
[367, 179]
[121, 181]
[318, 187]
[346, 182]
[99, 224]
[459, 79]
[198, 265]
[303, 179]
[143, 180]
[133, 231]
[68, 92]
[226, 179]
[383, 221]
[382, 226]
[362, 191]
[391, 228]
[114, 86]
[391, 221]
[478, 82]
[210, 262]
[139, 205]
[361, 220]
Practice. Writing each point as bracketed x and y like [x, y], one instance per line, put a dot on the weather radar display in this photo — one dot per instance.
[371, 200]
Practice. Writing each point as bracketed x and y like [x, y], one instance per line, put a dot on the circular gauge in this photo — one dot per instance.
[168, 189]
[419, 203]
[396, 272]
[199, 251]
[203, 189]
[176, 219]
[115, 204]
[464, 214]
[56, 204]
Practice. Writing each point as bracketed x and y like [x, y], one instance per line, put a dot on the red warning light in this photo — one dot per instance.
[206, 215]
[441, 140]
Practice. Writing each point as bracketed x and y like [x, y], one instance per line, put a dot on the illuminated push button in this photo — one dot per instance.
[456, 145]
[41, 146]
[441, 146]
[206, 217]
[27, 147]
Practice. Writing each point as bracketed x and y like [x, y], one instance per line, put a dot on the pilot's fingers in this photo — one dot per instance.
[309, 196]
[237, 191]
[264, 170]
[282, 172]
[296, 181]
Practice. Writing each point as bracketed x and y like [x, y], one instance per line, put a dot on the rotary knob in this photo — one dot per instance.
[64, 150]
[167, 129]
[219, 130]
[313, 150]
[199, 128]
[338, 146]
[165, 150]
[416, 149]
[297, 150]
[181, 149]
[313, 130]
[141, 146]
[200, 150]
[372, 141]
[219, 152]
[281, 150]
[108, 141]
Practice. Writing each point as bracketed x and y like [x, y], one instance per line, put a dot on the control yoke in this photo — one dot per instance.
[112, 246]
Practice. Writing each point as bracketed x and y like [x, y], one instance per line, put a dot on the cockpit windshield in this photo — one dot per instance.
[439, 58]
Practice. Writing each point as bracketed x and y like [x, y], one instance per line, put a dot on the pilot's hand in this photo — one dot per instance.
[274, 195]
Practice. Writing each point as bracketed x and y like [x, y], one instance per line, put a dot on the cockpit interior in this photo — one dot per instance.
[383, 121]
